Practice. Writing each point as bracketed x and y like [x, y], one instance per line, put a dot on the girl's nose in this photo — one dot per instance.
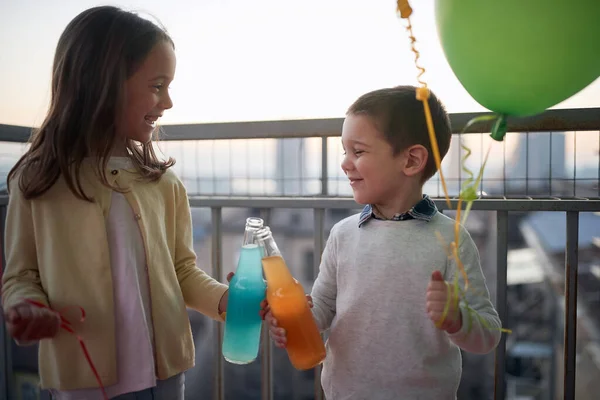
[166, 101]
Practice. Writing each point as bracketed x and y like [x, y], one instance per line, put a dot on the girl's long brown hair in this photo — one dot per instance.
[97, 52]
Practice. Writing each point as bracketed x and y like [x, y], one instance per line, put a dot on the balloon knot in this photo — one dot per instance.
[499, 128]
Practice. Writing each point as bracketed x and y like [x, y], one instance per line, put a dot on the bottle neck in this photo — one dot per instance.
[249, 237]
[274, 266]
[267, 243]
[253, 225]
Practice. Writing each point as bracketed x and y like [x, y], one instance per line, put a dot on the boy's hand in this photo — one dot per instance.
[438, 292]
[28, 323]
[278, 335]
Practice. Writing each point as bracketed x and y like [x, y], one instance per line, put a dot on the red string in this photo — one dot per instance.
[67, 326]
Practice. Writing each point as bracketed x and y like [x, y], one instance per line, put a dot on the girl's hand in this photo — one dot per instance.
[28, 323]
[225, 297]
[438, 293]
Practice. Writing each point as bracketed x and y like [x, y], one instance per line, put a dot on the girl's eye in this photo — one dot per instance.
[158, 87]
[358, 152]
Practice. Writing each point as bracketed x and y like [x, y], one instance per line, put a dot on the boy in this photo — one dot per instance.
[381, 288]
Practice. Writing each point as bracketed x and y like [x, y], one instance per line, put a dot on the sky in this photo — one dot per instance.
[241, 60]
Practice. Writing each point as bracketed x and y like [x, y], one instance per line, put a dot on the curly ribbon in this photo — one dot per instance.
[405, 12]
[67, 326]
[468, 191]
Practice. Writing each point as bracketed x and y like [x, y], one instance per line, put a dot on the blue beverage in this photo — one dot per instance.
[241, 340]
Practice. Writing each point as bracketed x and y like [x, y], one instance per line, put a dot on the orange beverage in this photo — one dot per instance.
[290, 307]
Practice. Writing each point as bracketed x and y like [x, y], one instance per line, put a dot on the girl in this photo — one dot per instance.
[97, 221]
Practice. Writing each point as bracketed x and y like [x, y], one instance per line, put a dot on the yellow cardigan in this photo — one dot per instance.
[57, 253]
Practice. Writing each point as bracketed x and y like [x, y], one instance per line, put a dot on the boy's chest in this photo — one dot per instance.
[369, 269]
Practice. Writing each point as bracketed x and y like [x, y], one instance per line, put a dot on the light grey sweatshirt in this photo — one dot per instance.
[371, 295]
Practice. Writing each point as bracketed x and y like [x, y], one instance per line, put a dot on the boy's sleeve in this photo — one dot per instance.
[480, 332]
[21, 277]
[324, 292]
[200, 291]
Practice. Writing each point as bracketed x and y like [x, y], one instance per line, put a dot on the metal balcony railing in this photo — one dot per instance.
[551, 121]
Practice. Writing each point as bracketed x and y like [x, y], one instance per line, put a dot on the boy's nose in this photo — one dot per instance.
[346, 164]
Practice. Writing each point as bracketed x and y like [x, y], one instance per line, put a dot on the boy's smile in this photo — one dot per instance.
[354, 181]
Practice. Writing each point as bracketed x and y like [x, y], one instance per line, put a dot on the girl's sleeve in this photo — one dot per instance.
[200, 291]
[21, 276]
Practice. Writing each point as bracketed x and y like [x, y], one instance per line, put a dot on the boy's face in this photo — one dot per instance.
[375, 174]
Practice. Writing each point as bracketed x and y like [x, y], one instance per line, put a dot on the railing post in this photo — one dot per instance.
[5, 341]
[217, 265]
[319, 246]
[571, 269]
[266, 361]
[555, 315]
[501, 306]
[324, 173]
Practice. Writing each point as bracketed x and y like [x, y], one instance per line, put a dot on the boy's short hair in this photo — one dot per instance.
[400, 117]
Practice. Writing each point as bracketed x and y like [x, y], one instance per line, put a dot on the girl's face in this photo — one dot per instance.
[147, 94]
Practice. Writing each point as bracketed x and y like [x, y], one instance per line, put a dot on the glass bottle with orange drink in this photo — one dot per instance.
[290, 307]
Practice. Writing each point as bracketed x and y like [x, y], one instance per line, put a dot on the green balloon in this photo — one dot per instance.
[519, 57]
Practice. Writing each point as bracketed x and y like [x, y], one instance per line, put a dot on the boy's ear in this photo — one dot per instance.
[415, 160]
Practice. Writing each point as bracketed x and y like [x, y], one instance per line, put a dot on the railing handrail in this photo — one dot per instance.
[317, 202]
[580, 204]
[560, 120]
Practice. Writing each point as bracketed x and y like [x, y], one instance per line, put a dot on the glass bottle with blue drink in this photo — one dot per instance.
[243, 323]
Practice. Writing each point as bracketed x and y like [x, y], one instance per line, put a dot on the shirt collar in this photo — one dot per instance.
[424, 210]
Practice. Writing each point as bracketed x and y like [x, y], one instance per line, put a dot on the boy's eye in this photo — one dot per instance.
[355, 152]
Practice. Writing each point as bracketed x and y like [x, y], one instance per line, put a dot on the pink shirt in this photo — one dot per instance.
[133, 319]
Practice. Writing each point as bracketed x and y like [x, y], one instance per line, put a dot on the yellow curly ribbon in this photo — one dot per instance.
[468, 192]
[405, 11]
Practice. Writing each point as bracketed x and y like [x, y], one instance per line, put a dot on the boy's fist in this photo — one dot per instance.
[438, 293]
[277, 334]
